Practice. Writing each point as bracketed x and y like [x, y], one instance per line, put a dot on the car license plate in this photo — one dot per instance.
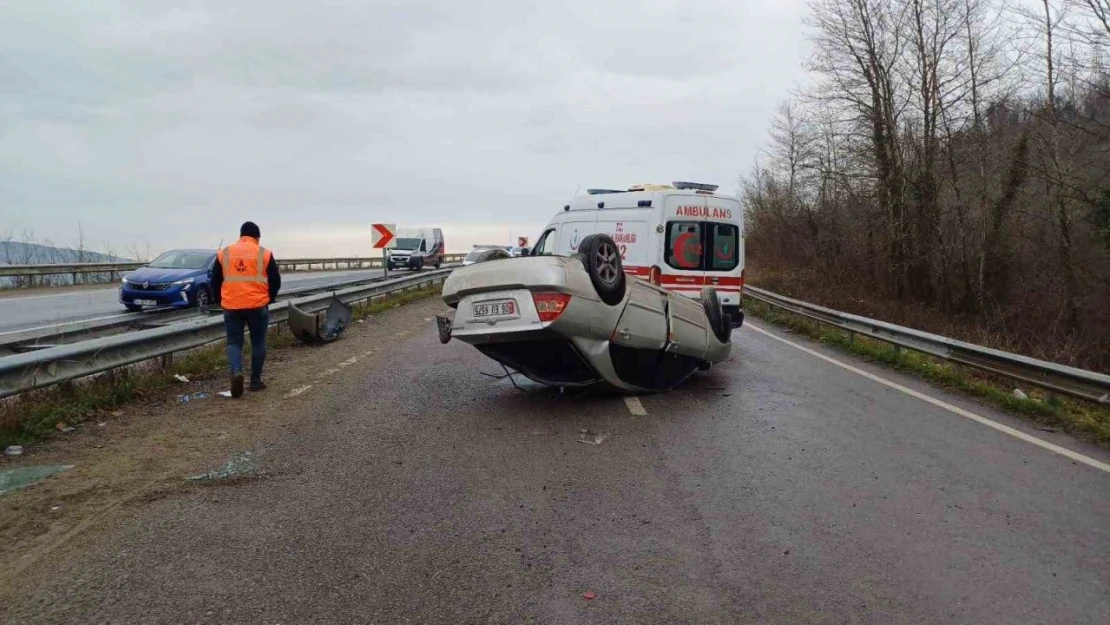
[506, 308]
[146, 302]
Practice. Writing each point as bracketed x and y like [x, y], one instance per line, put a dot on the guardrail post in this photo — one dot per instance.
[74, 278]
[167, 361]
[1052, 399]
[851, 337]
[897, 350]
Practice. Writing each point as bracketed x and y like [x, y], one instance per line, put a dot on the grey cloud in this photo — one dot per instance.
[138, 116]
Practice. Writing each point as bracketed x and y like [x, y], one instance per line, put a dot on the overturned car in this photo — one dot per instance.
[579, 320]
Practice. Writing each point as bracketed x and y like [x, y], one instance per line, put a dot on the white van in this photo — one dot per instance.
[681, 236]
[417, 248]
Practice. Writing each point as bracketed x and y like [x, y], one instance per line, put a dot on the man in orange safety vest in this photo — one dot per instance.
[246, 280]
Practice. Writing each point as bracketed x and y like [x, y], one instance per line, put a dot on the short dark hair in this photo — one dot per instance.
[250, 229]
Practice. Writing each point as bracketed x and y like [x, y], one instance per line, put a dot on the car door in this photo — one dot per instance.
[640, 337]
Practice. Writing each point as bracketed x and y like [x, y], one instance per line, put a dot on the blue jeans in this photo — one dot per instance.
[235, 322]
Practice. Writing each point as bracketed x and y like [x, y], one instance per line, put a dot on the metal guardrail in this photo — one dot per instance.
[289, 264]
[1053, 377]
[85, 329]
[39, 369]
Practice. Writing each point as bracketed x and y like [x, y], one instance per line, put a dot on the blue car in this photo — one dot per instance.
[178, 279]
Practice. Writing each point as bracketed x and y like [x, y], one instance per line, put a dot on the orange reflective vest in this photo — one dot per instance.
[245, 283]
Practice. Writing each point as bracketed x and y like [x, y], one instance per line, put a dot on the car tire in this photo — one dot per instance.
[133, 307]
[715, 313]
[602, 259]
[204, 298]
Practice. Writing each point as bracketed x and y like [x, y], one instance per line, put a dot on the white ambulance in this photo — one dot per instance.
[682, 236]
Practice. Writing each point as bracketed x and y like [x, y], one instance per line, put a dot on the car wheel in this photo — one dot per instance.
[602, 259]
[716, 315]
[133, 307]
[204, 299]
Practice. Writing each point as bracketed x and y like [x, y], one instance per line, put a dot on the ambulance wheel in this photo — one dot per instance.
[715, 314]
[602, 259]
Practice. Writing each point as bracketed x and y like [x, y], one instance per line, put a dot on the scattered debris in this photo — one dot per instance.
[1045, 428]
[298, 391]
[14, 450]
[55, 508]
[361, 321]
[226, 394]
[239, 464]
[593, 439]
[118, 413]
[60, 426]
[188, 397]
[443, 326]
[101, 424]
[1020, 394]
[589, 595]
[320, 327]
[180, 378]
[12, 479]
[584, 431]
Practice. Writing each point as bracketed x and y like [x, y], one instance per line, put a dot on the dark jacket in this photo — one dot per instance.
[273, 279]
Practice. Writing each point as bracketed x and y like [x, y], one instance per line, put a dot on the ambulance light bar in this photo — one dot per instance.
[696, 186]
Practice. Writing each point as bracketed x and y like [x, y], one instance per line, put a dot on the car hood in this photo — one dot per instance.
[153, 274]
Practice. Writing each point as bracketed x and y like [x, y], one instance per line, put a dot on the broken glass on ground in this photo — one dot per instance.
[239, 465]
[11, 479]
[591, 438]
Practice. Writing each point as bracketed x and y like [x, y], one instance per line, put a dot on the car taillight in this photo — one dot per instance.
[550, 305]
[655, 275]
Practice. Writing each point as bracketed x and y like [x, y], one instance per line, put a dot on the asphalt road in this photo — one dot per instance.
[22, 312]
[779, 488]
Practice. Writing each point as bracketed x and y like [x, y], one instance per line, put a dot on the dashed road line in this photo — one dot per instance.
[635, 407]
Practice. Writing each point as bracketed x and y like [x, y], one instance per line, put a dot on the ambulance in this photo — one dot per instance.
[682, 236]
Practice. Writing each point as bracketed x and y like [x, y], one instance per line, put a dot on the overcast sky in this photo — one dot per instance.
[170, 122]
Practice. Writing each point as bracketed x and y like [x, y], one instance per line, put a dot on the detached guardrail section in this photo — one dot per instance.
[1080, 383]
[113, 269]
[39, 369]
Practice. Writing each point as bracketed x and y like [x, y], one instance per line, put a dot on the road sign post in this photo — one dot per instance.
[384, 238]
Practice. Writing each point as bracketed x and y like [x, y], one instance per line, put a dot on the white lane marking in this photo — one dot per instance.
[1005, 429]
[69, 323]
[330, 371]
[68, 294]
[350, 361]
[298, 391]
[635, 407]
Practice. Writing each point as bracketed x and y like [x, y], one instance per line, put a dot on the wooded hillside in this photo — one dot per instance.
[950, 167]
